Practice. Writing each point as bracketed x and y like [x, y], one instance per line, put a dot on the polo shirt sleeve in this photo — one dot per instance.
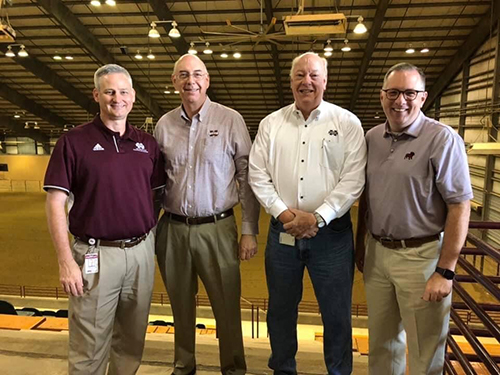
[61, 168]
[452, 170]
[158, 178]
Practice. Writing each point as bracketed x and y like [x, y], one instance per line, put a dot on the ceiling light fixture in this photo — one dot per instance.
[138, 55]
[26, 125]
[95, 3]
[36, 127]
[111, 2]
[376, 115]
[424, 50]
[176, 92]
[174, 32]
[224, 55]
[328, 47]
[68, 57]
[167, 91]
[150, 55]
[9, 52]
[57, 57]
[328, 53]
[360, 27]
[237, 55]
[346, 47]
[192, 50]
[410, 50]
[22, 51]
[17, 115]
[207, 50]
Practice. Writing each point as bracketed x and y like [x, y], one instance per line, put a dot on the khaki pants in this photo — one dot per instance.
[113, 312]
[210, 251]
[395, 280]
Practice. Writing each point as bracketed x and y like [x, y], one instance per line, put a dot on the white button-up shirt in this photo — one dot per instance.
[314, 165]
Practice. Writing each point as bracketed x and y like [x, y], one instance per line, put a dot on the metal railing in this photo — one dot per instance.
[480, 319]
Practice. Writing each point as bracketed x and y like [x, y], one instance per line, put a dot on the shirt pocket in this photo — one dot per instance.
[213, 151]
[332, 153]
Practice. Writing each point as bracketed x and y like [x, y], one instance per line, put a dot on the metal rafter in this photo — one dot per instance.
[476, 38]
[370, 47]
[161, 10]
[274, 53]
[29, 105]
[20, 131]
[80, 32]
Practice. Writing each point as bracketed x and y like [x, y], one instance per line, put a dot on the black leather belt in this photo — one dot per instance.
[200, 220]
[392, 243]
[131, 242]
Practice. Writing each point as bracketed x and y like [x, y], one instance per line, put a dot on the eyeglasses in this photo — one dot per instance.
[183, 76]
[393, 94]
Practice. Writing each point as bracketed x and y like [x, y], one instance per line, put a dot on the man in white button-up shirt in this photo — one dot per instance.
[307, 168]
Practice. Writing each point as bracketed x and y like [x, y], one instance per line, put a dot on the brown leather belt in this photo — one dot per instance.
[200, 220]
[392, 243]
[119, 243]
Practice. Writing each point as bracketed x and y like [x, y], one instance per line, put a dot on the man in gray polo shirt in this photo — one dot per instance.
[416, 206]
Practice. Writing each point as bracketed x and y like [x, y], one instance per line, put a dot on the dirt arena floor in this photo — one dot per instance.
[28, 258]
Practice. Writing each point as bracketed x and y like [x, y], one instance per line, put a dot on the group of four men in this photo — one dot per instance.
[306, 168]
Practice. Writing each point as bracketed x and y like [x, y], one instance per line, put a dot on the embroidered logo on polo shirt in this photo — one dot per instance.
[410, 155]
[213, 133]
[98, 147]
[140, 147]
[333, 132]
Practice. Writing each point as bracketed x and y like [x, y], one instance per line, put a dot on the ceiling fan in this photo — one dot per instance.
[295, 26]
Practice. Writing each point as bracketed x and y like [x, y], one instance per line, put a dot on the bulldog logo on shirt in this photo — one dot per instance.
[213, 133]
[410, 155]
[140, 148]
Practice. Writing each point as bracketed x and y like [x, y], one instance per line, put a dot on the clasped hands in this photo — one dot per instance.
[299, 224]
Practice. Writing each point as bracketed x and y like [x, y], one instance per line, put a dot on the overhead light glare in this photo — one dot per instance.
[424, 50]
[26, 125]
[174, 32]
[346, 47]
[410, 50]
[36, 126]
[150, 55]
[176, 92]
[376, 115]
[22, 51]
[166, 92]
[360, 27]
[57, 57]
[68, 57]
[95, 3]
[138, 55]
[192, 50]
[111, 2]
[328, 53]
[328, 47]
[237, 55]
[207, 50]
[224, 55]
[9, 52]
[17, 115]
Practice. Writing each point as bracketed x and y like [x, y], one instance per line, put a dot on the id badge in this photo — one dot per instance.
[91, 263]
[287, 239]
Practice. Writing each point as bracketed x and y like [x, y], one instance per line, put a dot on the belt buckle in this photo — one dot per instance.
[187, 220]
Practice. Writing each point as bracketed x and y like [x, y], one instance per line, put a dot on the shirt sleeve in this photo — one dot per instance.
[259, 176]
[352, 175]
[249, 204]
[452, 170]
[60, 171]
[158, 178]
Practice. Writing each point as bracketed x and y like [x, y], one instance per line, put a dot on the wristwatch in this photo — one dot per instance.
[447, 274]
[319, 220]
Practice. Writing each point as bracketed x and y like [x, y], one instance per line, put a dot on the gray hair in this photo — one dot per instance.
[296, 60]
[406, 67]
[110, 69]
[183, 57]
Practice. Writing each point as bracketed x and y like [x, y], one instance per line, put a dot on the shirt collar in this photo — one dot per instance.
[315, 113]
[201, 114]
[130, 132]
[412, 130]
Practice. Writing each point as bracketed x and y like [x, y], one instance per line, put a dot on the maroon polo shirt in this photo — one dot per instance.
[110, 178]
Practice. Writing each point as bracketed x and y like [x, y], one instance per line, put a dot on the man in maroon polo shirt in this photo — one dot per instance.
[108, 169]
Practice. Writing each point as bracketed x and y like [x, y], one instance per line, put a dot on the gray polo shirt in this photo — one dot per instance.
[412, 177]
